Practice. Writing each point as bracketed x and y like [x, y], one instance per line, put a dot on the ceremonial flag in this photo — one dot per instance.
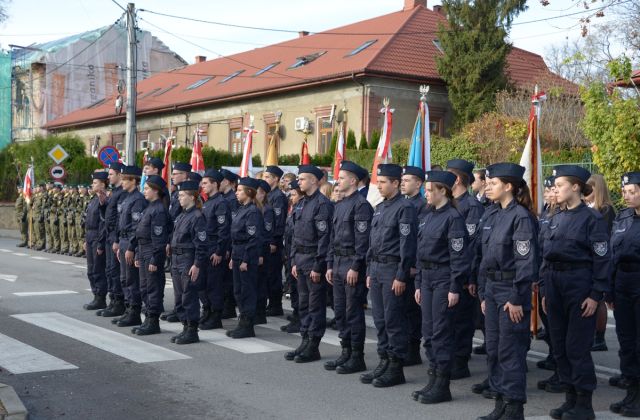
[420, 152]
[383, 154]
[145, 159]
[304, 155]
[532, 155]
[197, 162]
[27, 185]
[166, 171]
[246, 167]
[341, 153]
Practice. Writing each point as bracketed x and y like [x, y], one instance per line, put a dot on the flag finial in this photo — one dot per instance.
[424, 89]
[251, 119]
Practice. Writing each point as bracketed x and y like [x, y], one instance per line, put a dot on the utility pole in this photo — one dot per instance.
[132, 74]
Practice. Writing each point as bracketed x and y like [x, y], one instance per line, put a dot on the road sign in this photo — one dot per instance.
[58, 154]
[107, 155]
[57, 172]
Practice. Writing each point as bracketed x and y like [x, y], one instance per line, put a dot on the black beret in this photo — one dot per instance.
[294, 185]
[444, 177]
[131, 170]
[228, 175]
[213, 174]
[116, 166]
[194, 176]
[390, 169]
[156, 163]
[188, 186]
[157, 180]
[415, 171]
[249, 182]
[264, 185]
[354, 168]
[181, 166]
[100, 175]
[461, 165]
[272, 169]
[631, 178]
[549, 181]
[572, 170]
[310, 169]
[505, 169]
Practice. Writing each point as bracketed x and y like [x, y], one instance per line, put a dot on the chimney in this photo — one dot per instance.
[412, 4]
[201, 58]
[439, 9]
[302, 34]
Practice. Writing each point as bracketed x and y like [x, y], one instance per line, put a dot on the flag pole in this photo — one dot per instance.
[534, 158]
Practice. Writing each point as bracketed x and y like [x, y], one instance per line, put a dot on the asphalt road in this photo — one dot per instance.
[66, 362]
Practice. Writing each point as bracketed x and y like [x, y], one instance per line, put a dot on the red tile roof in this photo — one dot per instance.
[404, 49]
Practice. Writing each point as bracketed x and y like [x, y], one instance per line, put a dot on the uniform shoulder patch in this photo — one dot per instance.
[251, 230]
[277, 211]
[321, 225]
[471, 228]
[136, 216]
[405, 229]
[221, 219]
[361, 226]
[600, 248]
[523, 247]
[457, 244]
[202, 236]
[157, 230]
[267, 226]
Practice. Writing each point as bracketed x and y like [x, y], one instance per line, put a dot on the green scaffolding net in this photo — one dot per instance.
[5, 99]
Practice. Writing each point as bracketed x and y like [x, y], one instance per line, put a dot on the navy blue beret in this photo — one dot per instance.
[572, 170]
[549, 182]
[188, 186]
[157, 181]
[631, 178]
[413, 170]
[131, 170]
[354, 168]
[390, 169]
[505, 170]
[100, 175]
[272, 169]
[181, 166]
[213, 174]
[194, 176]
[249, 182]
[461, 165]
[156, 163]
[228, 175]
[116, 166]
[264, 185]
[444, 177]
[294, 185]
[310, 169]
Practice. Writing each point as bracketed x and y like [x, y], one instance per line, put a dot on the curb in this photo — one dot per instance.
[11, 407]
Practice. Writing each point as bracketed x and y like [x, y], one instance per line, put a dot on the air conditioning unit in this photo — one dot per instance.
[301, 123]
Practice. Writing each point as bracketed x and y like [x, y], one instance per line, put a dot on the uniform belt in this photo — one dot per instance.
[344, 252]
[306, 249]
[501, 275]
[629, 267]
[144, 241]
[386, 259]
[569, 266]
[429, 265]
[182, 251]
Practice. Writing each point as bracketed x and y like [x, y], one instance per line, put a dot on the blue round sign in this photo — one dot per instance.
[108, 155]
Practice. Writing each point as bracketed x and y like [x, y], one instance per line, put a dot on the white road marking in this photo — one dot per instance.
[40, 258]
[18, 357]
[84, 267]
[119, 344]
[20, 254]
[62, 262]
[52, 292]
[218, 337]
[9, 277]
[5, 250]
[330, 336]
[600, 415]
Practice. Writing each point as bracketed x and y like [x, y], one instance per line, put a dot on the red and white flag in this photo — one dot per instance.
[246, 167]
[166, 171]
[341, 153]
[29, 182]
[305, 159]
[383, 154]
[532, 155]
[197, 162]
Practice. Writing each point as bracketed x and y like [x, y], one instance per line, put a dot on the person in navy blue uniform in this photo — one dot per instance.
[131, 212]
[216, 211]
[152, 235]
[295, 195]
[179, 173]
[443, 264]
[95, 241]
[576, 261]
[411, 187]
[246, 236]
[228, 191]
[346, 268]
[188, 256]
[391, 255]
[311, 234]
[264, 270]
[625, 287]
[279, 203]
[363, 186]
[116, 305]
[466, 316]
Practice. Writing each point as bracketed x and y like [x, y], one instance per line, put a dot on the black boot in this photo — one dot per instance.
[275, 305]
[432, 379]
[152, 327]
[547, 364]
[244, 328]
[172, 317]
[213, 321]
[383, 364]
[261, 312]
[513, 410]
[568, 404]
[184, 330]
[124, 315]
[118, 309]
[481, 349]
[206, 311]
[552, 384]
[356, 361]
[132, 319]
[344, 356]
[583, 409]
[498, 411]
[311, 353]
[479, 388]
[109, 306]
[99, 302]
[413, 354]
[394, 375]
[439, 392]
[191, 335]
[303, 344]
[144, 324]
[632, 394]
[632, 408]
[460, 368]
[620, 381]
[599, 343]
[293, 326]
[229, 310]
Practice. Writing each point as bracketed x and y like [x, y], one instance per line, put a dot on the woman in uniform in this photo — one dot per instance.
[95, 240]
[267, 240]
[153, 236]
[188, 255]
[508, 265]
[576, 262]
[295, 195]
[625, 243]
[443, 265]
[246, 237]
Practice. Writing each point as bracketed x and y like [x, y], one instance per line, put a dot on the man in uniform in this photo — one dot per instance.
[72, 208]
[228, 189]
[21, 218]
[48, 198]
[64, 235]
[54, 222]
[81, 214]
[311, 235]
[37, 212]
[346, 268]
[392, 254]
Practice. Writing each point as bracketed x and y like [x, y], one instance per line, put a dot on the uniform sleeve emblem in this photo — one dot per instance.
[267, 226]
[221, 219]
[600, 248]
[202, 236]
[361, 226]
[471, 228]
[277, 211]
[119, 207]
[136, 216]
[157, 230]
[523, 247]
[233, 214]
[405, 229]
[457, 244]
[321, 225]
[251, 230]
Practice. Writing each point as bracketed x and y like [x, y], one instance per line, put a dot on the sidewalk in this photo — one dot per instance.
[11, 408]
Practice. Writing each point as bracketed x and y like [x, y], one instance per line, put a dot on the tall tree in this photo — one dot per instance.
[475, 53]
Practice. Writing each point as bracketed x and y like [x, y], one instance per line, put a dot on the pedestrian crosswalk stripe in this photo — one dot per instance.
[18, 357]
[20, 254]
[330, 336]
[4, 250]
[84, 267]
[62, 262]
[47, 293]
[35, 257]
[119, 344]
[249, 345]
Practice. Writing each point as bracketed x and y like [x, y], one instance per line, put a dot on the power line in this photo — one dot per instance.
[118, 4]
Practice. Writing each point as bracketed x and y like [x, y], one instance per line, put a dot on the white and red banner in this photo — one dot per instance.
[166, 171]
[532, 154]
[246, 167]
[383, 154]
[29, 183]
[197, 162]
[341, 153]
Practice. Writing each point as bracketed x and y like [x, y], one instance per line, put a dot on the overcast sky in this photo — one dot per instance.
[35, 21]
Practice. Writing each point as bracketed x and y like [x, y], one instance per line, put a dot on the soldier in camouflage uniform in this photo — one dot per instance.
[37, 214]
[54, 221]
[71, 220]
[62, 216]
[21, 218]
[81, 213]
[47, 216]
